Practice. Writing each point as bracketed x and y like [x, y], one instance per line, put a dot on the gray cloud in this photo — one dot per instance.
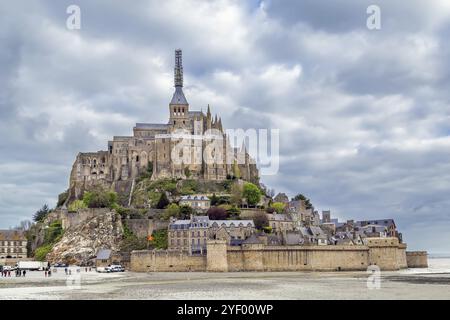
[363, 115]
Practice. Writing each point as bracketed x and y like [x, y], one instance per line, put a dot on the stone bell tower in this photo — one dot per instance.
[179, 107]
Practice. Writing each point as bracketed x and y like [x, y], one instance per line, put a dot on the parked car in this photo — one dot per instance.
[103, 269]
[60, 265]
[117, 268]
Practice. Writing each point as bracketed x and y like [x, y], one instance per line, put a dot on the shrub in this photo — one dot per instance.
[172, 210]
[278, 206]
[233, 211]
[99, 198]
[77, 205]
[41, 253]
[159, 239]
[53, 233]
[261, 221]
[131, 242]
[185, 212]
[267, 229]
[217, 213]
[252, 193]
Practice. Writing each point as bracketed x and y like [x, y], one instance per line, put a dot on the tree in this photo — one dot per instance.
[186, 211]
[160, 239]
[301, 197]
[24, 225]
[261, 221]
[217, 213]
[187, 172]
[163, 201]
[236, 194]
[41, 213]
[214, 200]
[172, 210]
[278, 206]
[252, 193]
[236, 170]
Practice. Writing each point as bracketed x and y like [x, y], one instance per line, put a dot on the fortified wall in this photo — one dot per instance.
[417, 259]
[386, 253]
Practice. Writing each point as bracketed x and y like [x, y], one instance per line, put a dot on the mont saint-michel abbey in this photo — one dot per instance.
[152, 145]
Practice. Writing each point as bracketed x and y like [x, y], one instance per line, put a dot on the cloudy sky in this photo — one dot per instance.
[364, 115]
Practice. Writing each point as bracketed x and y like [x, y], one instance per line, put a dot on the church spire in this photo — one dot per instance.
[178, 96]
[178, 71]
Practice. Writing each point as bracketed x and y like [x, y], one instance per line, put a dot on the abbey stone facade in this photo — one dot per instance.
[152, 144]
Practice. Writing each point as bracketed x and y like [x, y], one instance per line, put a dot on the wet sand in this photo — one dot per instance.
[431, 283]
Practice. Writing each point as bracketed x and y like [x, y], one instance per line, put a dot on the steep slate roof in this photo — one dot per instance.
[12, 235]
[178, 97]
[293, 238]
[206, 222]
[236, 223]
[103, 254]
[195, 197]
[253, 239]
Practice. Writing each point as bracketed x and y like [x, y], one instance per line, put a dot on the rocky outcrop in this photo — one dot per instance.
[81, 242]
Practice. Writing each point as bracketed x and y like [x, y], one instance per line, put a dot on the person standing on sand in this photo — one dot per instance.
[24, 273]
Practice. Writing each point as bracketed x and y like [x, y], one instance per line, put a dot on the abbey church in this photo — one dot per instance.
[152, 144]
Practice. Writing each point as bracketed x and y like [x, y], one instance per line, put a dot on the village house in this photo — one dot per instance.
[190, 235]
[280, 222]
[13, 244]
[198, 202]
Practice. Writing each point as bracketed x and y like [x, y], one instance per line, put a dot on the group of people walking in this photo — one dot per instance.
[19, 273]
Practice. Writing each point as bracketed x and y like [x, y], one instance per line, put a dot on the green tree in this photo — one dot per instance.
[160, 239]
[187, 172]
[236, 194]
[41, 213]
[186, 211]
[236, 170]
[163, 201]
[252, 193]
[172, 210]
[278, 206]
